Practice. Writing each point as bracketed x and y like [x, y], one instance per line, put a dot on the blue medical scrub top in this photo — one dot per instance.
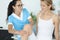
[19, 24]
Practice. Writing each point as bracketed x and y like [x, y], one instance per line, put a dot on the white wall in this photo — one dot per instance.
[3, 12]
[56, 5]
[31, 5]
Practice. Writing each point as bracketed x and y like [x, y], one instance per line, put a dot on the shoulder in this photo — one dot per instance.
[24, 9]
[55, 18]
[38, 14]
[10, 17]
[26, 12]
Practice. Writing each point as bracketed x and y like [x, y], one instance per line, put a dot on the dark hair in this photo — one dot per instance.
[10, 8]
[16, 0]
[49, 2]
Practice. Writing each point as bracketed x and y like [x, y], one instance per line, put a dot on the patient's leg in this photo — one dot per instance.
[24, 37]
[26, 32]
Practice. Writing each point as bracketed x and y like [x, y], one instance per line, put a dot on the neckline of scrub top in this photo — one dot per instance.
[20, 18]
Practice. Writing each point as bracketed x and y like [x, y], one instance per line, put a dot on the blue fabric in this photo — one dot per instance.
[19, 24]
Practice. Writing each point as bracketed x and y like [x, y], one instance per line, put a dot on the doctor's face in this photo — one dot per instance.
[18, 6]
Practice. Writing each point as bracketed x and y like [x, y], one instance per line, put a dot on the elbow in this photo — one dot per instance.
[9, 31]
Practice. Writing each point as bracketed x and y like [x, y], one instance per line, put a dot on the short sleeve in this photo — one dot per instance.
[9, 20]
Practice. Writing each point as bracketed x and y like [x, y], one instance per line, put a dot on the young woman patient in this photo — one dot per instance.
[47, 21]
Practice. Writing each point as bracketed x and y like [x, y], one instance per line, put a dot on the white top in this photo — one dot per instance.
[45, 29]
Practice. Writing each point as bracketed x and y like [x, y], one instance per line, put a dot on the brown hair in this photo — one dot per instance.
[49, 2]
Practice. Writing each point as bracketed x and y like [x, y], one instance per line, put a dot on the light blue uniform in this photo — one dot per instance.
[19, 24]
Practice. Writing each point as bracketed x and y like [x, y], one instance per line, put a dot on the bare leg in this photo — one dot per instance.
[28, 30]
[24, 37]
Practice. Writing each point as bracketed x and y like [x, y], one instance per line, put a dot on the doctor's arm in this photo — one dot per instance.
[12, 31]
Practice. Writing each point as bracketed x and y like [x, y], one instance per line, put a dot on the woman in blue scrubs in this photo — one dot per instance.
[19, 20]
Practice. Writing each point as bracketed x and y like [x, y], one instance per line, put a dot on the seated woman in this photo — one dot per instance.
[19, 20]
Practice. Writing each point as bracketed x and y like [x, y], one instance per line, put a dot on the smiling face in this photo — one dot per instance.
[44, 6]
[18, 6]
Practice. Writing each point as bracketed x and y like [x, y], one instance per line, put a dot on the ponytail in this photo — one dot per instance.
[10, 8]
